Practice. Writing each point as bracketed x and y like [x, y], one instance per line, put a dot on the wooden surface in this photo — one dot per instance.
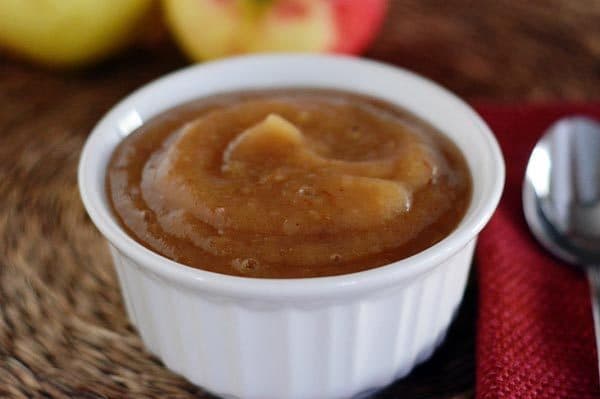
[63, 331]
[537, 50]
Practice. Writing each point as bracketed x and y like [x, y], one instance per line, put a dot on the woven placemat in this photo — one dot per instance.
[63, 329]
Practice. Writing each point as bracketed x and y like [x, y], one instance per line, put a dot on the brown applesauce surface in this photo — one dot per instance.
[288, 183]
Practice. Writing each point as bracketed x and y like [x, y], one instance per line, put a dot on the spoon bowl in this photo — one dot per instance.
[561, 192]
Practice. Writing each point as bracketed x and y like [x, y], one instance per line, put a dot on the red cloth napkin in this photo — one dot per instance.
[535, 336]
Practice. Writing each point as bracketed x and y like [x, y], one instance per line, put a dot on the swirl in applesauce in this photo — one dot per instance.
[288, 183]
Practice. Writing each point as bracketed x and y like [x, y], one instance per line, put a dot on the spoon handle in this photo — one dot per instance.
[593, 275]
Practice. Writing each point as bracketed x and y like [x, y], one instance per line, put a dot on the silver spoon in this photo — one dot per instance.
[561, 198]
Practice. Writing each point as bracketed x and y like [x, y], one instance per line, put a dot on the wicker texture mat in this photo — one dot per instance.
[63, 330]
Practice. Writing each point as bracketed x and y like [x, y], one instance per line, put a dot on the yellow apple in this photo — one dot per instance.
[69, 33]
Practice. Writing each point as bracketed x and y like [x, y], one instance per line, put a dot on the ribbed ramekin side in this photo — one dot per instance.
[323, 349]
[117, 258]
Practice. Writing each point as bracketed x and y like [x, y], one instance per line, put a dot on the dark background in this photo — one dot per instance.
[482, 49]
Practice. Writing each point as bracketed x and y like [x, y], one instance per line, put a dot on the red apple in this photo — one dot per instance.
[215, 28]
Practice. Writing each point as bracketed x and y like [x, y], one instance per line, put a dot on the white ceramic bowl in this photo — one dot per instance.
[326, 337]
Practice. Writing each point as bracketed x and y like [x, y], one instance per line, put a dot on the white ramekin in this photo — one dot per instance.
[327, 337]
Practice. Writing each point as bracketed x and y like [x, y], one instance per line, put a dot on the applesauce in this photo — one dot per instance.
[288, 183]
